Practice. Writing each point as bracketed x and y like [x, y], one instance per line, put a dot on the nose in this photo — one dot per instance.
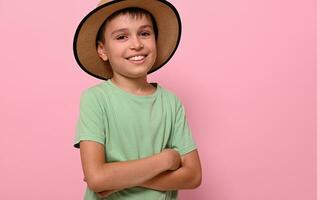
[136, 43]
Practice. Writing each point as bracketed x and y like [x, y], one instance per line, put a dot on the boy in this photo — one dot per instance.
[133, 136]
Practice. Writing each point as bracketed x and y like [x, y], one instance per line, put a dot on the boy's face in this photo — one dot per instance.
[129, 46]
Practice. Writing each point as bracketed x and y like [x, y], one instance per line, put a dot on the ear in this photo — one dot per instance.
[102, 51]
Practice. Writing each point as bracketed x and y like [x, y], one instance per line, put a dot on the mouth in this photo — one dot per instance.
[137, 59]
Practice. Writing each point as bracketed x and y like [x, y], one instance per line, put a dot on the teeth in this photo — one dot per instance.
[135, 58]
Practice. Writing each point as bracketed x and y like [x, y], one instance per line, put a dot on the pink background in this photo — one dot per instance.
[245, 71]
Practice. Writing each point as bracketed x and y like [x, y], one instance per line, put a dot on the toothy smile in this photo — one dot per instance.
[137, 57]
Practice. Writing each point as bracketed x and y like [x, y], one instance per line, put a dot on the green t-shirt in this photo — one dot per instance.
[133, 127]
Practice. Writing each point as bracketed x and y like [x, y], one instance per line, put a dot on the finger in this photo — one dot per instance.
[102, 194]
[105, 193]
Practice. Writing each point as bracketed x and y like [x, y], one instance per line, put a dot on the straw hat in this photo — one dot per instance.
[84, 46]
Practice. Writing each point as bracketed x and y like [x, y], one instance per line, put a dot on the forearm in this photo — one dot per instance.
[118, 175]
[182, 178]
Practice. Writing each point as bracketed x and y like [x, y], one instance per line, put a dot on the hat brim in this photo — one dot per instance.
[84, 44]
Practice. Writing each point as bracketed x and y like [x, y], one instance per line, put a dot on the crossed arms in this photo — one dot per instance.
[151, 172]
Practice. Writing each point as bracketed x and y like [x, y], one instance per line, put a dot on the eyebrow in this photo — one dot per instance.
[124, 29]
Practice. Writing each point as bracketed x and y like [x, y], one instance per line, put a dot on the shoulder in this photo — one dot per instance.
[94, 95]
[95, 91]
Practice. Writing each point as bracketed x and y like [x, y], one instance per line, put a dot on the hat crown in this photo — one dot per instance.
[103, 2]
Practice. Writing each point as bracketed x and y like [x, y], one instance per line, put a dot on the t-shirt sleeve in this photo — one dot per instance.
[90, 124]
[182, 139]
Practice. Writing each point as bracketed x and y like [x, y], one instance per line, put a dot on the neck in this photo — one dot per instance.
[133, 85]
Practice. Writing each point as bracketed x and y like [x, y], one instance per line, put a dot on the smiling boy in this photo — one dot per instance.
[133, 136]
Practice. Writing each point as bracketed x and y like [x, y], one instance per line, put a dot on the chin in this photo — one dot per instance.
[138, 74]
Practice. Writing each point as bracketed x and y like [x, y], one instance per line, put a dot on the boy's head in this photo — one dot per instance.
[133, 12]
[116, 30]
[127, 40]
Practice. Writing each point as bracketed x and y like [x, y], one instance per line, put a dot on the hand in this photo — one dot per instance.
[105, 193]
[173, 158]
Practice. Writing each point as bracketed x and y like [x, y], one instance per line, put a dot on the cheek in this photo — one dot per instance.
[154, 50]
[114, 48]
[152, 46]
[116, 53]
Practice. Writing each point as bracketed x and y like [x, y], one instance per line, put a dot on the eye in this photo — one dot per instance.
[145, 33]
[121, 37]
